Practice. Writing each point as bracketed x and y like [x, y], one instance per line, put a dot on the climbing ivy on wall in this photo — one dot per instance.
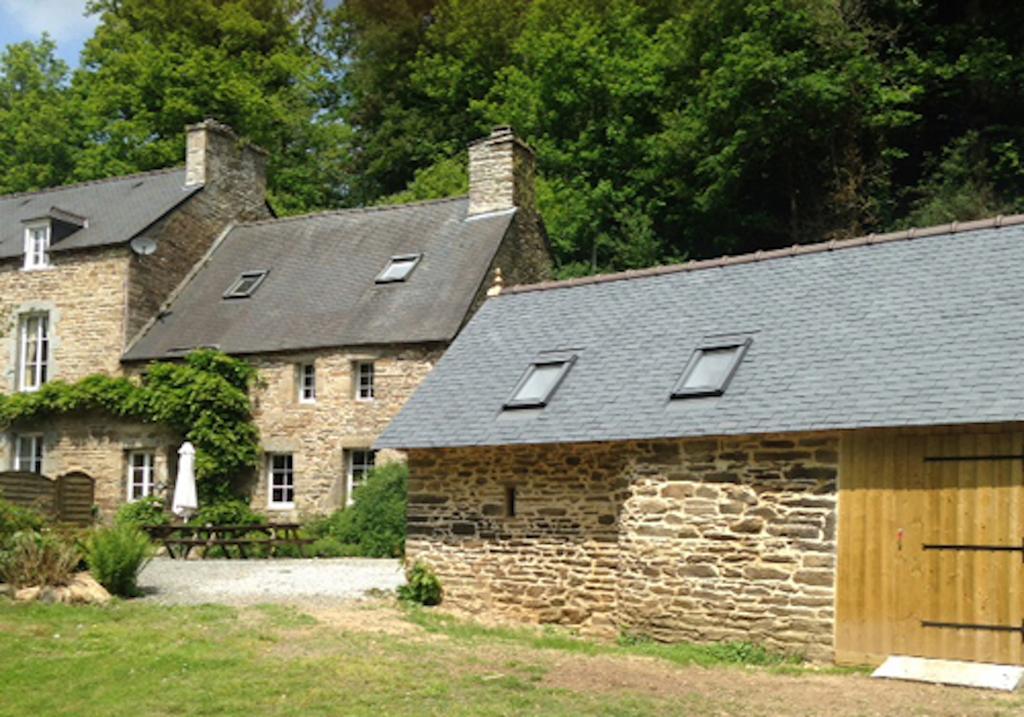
[205, 398]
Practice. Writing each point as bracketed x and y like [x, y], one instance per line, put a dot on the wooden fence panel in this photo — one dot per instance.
[29, 490]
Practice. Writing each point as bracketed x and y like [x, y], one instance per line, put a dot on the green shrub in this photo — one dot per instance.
[146, 511]
[374, 525]
[331, 547]
[227, 512]
[422, 586]
[38, 558]
[15, 519]
[117, 555]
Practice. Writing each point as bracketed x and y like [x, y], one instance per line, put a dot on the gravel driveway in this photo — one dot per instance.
[266, 581]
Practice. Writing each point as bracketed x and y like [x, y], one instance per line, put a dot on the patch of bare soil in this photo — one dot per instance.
[377, 616]
[750, 691]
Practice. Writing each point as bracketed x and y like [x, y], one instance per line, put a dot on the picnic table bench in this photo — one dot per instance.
[179, 540]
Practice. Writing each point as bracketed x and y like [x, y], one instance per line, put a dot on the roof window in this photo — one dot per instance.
[538, 384]
[399, 268]
[245, 285]
[710, 368]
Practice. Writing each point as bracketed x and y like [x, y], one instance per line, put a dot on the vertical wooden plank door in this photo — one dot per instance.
[931, 547]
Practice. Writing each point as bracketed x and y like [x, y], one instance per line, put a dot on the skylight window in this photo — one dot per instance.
[538, 384]
[245, 285]
[710, 369]
[399, 268]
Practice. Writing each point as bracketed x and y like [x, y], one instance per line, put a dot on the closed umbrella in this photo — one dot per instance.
[185, 502]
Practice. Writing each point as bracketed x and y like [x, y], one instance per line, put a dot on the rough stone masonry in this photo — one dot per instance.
[696, 540]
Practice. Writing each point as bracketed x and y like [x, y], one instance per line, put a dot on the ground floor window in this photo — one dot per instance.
[141, 474]
[281, 480]
[358, 464]
[28, 453]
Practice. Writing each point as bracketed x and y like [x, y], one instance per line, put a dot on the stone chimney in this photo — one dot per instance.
[214, 155]
[501, 173]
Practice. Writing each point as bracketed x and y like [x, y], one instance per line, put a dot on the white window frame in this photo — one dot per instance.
[32, 377]
[366, 391]
[274, 472]
[37, 451]
[37, 249]
[307, 382]
[146, 471]
[350, 469]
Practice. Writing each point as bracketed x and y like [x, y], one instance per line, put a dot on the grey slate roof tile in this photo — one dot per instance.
[116, 209]
[320, 290]
[917, 332]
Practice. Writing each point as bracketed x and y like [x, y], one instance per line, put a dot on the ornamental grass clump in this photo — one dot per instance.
[42, 558]
[117, 555]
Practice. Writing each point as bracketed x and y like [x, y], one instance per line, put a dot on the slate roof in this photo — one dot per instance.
[320, 290]
[876, 332]
[116, 209]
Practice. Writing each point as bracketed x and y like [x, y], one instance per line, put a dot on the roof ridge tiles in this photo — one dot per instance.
[760, 255]
[91, 182]
[352, 210]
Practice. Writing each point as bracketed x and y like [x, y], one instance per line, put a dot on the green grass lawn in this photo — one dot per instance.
[139, 659]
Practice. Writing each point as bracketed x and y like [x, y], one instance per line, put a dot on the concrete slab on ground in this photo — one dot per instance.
[951, 672]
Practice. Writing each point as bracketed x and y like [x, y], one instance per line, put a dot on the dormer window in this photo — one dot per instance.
[538, 384]
[399, 268]
[710, 368]
[37, 245]
[245, 285]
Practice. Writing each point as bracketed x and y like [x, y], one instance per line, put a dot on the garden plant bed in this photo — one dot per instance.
[372, 658]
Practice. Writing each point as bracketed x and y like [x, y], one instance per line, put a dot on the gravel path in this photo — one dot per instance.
[189, 582]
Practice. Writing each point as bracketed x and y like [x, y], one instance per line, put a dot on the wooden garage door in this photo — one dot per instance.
[931, 547]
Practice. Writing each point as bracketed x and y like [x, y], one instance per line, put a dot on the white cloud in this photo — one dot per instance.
[65, 20]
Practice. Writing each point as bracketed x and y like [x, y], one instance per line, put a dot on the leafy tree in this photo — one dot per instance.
[38, 133]
[154, 66]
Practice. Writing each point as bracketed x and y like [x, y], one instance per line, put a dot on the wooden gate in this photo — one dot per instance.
[931, 547]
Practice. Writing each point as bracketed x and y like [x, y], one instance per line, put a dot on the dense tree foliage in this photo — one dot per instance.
[664, 128]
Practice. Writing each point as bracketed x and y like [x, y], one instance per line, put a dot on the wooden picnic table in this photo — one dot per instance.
[179, 539]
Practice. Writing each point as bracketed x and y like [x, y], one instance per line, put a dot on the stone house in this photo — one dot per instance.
[819, 449]
[345, 312]
[82, 269]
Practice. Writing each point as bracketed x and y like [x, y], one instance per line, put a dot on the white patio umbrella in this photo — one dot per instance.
[185, 502]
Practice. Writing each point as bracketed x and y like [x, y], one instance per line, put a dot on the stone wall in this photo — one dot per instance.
[98, 445]
[84, 293]
[704, 540]
[319, 433]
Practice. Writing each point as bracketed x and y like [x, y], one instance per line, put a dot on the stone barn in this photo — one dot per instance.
[819, 449]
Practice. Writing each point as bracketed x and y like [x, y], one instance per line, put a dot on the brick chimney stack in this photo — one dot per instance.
[215, 154]
[502, 171]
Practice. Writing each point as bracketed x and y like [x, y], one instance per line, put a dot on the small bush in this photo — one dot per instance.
[37, 558]
[228, 512]
[117, 555]
[331, 547]
[374, 525]
[422, 586]
[15, 519]
[146, 511]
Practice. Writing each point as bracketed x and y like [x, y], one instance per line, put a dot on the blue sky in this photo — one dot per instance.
[64, 19]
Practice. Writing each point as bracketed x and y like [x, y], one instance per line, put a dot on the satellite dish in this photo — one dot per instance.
[143, 246]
